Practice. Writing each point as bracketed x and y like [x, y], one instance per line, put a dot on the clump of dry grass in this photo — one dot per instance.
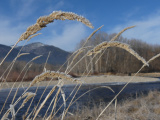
[144, 107]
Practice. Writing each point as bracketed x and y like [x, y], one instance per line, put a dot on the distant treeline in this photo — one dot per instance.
[117, 60]
[20, 70]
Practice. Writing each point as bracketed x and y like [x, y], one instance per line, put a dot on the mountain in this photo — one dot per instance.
[29, 47]
[57, 56]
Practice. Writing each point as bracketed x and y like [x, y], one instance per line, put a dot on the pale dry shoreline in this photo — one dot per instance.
[89, 79]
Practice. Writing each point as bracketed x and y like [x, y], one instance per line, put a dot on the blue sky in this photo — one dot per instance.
[17, 15]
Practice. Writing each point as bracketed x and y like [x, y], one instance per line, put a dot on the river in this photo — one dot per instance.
[98, 94]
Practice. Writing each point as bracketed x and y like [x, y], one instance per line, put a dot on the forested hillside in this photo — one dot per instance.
[117, 60]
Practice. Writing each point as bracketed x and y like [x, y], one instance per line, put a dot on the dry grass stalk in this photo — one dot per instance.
[107, 87]
[22, 55]
[10, 66]
[115, 109]
[75, 54]
[12, 110]
[54, 105]
[153, 58]
[121, 90]
[92, 35]
[55, 15]
[28, 96]
[5, 116]
[64, 101]
[79, 51]
[124, 46]
[114, 38]
[42, 104]
[19, 84]
[52, 74]
[36, 58]
[44, 69]
[23, 76]
[33, 36]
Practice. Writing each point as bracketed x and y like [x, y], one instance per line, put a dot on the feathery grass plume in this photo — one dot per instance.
[114, 38]
[51, 74]
[55, 15]
[60, 15]
[124, 46]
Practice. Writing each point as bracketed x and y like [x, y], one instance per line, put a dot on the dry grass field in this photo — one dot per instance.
[144, 107]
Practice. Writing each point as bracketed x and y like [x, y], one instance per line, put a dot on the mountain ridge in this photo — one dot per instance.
[57, 56]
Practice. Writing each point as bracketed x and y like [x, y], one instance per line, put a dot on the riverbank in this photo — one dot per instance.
[87, 80]
[144, 107]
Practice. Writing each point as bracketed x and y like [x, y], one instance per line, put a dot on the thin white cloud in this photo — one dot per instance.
[9, 34]
[69, 37]
[27, 8]
[23, 8]
[58, 5]
[147, 29]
